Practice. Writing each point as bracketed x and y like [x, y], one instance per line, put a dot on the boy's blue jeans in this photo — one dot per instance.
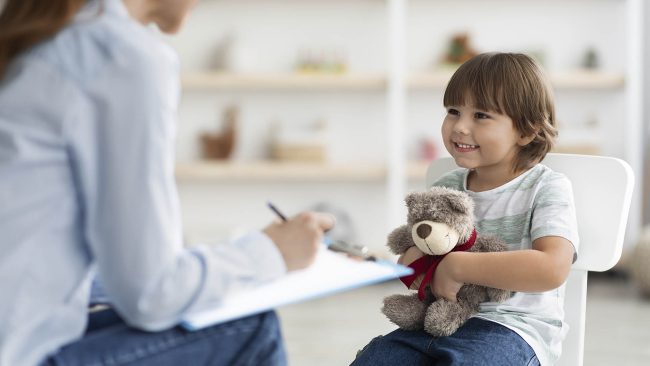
[254, 340]
[477, 342]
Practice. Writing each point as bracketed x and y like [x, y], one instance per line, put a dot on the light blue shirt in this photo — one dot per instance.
[87, 126]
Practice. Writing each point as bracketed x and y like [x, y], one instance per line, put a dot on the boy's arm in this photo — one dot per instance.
[542, 268]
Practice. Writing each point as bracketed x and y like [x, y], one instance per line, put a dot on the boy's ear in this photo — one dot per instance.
[525, 140]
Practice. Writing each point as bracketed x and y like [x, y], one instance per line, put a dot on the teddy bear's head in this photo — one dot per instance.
[439, 218]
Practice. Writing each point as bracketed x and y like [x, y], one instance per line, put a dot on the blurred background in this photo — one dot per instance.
[336, 105]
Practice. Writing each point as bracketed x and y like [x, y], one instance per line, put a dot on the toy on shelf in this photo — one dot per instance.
[428, 149]
[439, 221]
[331, 61]
[221, 59]
[219, 145]
[299, 143]
[460, 50]
[590, 59]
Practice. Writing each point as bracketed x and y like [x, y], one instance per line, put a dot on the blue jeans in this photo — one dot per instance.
[255, 340]
[477, 342]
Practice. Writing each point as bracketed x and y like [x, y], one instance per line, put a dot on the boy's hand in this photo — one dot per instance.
[444, 283]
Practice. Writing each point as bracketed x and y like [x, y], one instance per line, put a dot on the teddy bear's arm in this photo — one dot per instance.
[497, 295]
[488, 244]
[399, 240]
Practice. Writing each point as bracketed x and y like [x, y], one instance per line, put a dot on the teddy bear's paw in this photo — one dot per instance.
[406, 311]
[439, 330]
[498, 295]
[443, 318]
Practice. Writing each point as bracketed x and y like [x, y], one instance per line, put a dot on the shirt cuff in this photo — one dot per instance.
[247, 261]
[264, 252]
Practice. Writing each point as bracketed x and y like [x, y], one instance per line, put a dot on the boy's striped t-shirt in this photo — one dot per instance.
[537, 203]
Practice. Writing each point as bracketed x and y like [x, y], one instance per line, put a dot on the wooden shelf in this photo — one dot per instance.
[578, 79]
[585, 79]
[296, 81]
[290, 171]
[279, 171]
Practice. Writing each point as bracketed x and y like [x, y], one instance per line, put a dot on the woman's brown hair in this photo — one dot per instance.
[24, 23]
[511, 84]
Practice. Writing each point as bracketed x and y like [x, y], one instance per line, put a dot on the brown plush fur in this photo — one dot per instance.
[440, 317]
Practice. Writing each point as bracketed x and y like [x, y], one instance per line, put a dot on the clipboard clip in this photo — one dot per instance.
[358, 251]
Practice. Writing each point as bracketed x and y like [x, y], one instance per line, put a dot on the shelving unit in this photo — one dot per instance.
[391, 85]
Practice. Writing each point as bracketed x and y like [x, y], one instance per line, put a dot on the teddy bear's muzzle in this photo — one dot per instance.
[434, 238]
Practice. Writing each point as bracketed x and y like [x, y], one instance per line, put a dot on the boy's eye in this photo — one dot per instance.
[481, 115]
[453, 111]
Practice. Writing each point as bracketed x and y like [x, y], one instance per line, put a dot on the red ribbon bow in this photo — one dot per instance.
[427, 265]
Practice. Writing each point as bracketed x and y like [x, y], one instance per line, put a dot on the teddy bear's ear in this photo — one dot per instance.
[460, 202]
[411, 199]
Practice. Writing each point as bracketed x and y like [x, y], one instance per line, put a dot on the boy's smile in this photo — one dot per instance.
[460, 147]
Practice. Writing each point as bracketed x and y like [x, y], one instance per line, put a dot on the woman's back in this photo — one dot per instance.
[49, 138]
[87, 135]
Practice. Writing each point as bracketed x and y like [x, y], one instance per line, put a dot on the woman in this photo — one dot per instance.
[88, 97]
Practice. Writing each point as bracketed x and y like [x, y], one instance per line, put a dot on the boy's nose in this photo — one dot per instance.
[461, 127]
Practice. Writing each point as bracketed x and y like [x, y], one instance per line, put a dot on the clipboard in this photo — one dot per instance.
[329, 274]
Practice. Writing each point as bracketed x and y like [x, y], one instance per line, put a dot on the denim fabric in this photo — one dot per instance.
[254, 340]
[478, 342]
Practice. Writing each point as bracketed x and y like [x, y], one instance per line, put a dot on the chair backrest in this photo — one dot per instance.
[602, 189]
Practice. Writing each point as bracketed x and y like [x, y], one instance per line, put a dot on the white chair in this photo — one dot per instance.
[602, 188]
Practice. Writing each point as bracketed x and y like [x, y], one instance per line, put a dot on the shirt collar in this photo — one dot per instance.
[96, 7]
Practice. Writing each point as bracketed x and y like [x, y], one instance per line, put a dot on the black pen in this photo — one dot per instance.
[277, 212]
[334, 245]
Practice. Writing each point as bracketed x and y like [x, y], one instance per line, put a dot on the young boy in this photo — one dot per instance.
[500, 124]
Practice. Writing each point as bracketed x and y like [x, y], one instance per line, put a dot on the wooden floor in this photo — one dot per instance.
[329, 331]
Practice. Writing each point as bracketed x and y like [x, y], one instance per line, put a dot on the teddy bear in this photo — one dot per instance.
[439, 220]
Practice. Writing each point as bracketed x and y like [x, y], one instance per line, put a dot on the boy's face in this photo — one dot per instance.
[482, 140]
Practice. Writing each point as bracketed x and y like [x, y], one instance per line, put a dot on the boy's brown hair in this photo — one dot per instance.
[511, 84]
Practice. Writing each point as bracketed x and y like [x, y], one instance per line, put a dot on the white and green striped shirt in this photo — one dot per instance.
[538, 203]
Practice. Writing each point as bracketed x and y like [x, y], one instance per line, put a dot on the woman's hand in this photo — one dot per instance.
[444, 283]
[298, 238]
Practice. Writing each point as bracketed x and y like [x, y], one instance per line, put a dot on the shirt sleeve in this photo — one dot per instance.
[121, 147]
[554, 211]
